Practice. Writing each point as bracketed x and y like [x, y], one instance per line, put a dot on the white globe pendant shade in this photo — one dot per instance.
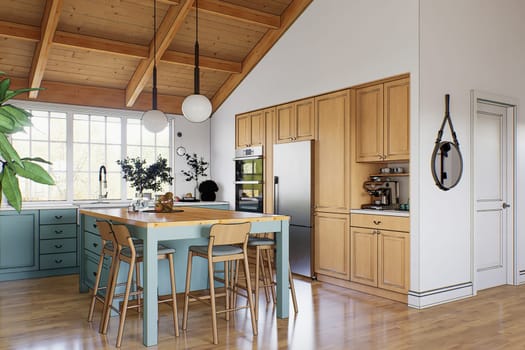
[196, 108]
[154, 120]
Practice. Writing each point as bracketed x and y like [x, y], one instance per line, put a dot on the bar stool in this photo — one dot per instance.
[129, 253]
[228, 244]
[108, 250]
[266, 246]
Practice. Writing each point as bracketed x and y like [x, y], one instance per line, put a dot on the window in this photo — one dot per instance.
[78, 141]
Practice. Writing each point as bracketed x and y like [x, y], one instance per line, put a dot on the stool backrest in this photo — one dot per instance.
[106, 233]
[123, 237]
[229, 234]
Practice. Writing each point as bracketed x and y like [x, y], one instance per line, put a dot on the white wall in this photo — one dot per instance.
[468, 44]
[333, 44]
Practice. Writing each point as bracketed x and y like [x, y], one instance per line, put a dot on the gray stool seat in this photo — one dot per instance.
[260, 241]
[219, 250]
[139, 250]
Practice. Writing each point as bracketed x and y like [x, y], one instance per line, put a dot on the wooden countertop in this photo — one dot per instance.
[189, 216]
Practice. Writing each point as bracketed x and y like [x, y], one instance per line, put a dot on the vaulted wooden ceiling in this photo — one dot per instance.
[100, 52]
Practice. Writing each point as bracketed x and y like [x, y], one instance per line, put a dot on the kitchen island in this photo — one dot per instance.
[191, 223]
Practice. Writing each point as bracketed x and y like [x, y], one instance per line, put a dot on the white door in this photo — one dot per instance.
[493, 169]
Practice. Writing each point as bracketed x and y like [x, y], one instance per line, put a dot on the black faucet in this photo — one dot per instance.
[102, 181]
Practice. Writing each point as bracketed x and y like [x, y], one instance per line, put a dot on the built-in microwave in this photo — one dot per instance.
[249, 179]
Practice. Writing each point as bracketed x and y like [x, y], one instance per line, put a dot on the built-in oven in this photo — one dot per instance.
[249, 183]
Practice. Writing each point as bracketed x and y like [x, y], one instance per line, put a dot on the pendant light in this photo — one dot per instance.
[196, 108]
[154, 120]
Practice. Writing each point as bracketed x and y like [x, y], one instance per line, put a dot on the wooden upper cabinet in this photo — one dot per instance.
[396, 119]
[332, 153]
[295, 121]
[382, 122]
[250, 129]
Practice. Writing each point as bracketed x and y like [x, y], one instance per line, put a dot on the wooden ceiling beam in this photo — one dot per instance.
[49, 25]
[93, 96]
[292, 12]
[85, 42]
[169, 26]
[244, 14]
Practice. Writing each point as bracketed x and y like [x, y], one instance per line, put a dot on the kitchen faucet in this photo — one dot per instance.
[102, 181]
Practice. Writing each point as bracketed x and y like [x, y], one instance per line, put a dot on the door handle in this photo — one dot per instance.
[505, 205]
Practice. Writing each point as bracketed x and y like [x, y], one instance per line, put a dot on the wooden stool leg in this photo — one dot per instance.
[256, 289]
[95, 288]
[292, 289]
[250, 295]
[212, 301]
[125, 305]
[187, 291]
[110, 292]
[137, 285]
[270, 272]
[173, 295]
[227, 288]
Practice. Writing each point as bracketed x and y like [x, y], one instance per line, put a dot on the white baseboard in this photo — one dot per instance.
[420, 300]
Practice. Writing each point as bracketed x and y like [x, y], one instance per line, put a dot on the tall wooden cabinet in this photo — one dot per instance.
[250, 129]
[382, 122]
[295, 121]
[332, 185]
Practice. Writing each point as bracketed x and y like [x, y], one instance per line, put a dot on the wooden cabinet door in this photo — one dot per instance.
[332, 244]
[397, 120]
[394, 260]
[243, 131]
[304, 120]
[364, 256]
[257, 128]
[18, 241]
[332, 153]
[369, 123]
[284, 123]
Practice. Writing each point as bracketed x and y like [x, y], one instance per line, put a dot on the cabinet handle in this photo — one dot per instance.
[58, 217]
[94, 225]
[58, 246]
[58, 232]
[377, 222]
[58, 261]
[95, 245]
[378, 232]
[95, 274]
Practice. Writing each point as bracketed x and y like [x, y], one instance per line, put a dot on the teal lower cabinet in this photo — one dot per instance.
[38, 243]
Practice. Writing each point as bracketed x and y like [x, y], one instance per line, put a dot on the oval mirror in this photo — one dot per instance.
[447, 165]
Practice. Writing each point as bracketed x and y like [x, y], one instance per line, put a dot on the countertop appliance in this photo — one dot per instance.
[292, 168]
[249, 176]
[384, 194]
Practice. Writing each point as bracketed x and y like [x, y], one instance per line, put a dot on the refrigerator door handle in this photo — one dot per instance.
[276, 194]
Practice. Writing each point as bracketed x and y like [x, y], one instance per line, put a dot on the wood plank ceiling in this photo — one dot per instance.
[100, 52]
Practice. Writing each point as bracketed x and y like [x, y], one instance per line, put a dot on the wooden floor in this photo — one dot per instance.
[49, 313]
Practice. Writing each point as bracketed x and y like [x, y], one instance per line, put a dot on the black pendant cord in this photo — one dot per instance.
[449, 120]
[196, 77]
[154, 91]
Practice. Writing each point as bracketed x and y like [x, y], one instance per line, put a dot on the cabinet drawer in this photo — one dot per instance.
[57, 261]
[90, 224]
[385, 222]
[58, 216]
[91, 271]
[50, 246]
[58, 231]
[92, 242]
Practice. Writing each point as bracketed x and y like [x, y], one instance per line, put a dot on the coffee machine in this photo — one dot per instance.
[384, 193]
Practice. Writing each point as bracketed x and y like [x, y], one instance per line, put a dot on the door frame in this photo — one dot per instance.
[512, 248]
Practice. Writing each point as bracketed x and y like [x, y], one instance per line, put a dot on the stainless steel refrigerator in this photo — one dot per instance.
[292, 168]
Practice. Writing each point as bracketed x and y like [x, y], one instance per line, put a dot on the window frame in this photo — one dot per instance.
[70, 110]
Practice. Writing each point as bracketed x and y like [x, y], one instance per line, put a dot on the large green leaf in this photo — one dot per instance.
[12, 93]
[18, 125]
[37, 159]
[7, 125]
[8, 152]
[34, 172]
[4, 86]
[21, 115]
[11, 189]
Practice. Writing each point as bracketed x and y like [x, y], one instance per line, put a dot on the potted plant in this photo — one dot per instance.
[12, 120]
[197, 167]
[142, 177]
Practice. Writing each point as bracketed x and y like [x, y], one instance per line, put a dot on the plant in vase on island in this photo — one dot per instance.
[198, 168]
[142, 177]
